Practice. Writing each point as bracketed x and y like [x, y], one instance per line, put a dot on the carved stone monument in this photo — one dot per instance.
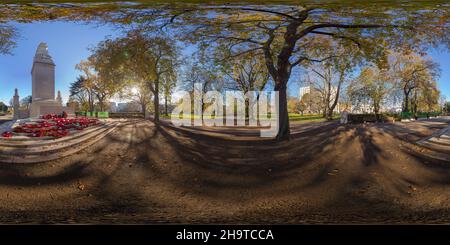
[43, 85]
[16, 104]
[59, 98]
[19, 113]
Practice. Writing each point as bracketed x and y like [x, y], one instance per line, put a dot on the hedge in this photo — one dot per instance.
[80, 113]
[126, 115]
[422, 115]
[361, 118]
[102, 114]
[410, 115]
[406, 115]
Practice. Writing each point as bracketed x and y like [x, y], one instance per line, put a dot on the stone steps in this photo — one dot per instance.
[438, 144]
[438, 156]
[39, 141]
[43, 149]
[55, 150]
[440, 141]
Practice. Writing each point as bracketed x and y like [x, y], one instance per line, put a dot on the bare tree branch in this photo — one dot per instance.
[338, 36]
[309, 29]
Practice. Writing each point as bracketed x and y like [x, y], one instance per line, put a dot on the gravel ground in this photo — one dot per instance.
[326, 173]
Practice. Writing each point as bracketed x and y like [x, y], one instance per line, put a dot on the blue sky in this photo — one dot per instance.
[68, 44]
[443, 58]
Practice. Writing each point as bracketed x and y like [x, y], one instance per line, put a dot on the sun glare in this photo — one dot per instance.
[134, 90]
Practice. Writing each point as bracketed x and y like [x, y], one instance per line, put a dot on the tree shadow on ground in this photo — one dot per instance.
[264, 164]
[14, 175]
[341, 170]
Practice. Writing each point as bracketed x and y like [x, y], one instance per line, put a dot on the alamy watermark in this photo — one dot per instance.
[228, 109]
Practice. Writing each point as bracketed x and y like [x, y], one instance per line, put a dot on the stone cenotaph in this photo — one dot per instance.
[43, 85]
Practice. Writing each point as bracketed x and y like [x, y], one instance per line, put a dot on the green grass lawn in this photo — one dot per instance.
[299, 117]
[311, 117]
[292, 117]
[182, 116]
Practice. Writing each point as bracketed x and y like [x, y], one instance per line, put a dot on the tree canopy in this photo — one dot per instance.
[286, 34]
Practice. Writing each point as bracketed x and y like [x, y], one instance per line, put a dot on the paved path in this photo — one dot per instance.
[6, 125]
[438, 143]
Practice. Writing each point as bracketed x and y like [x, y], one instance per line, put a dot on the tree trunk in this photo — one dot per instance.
[143, 102]
[143, 109]
[281, 73]
[156, 103]
[336, 98]
[100, 102]
[165, 105]
[406, 100]
[202, 106]
[376, 108]
[414, 104]
[283, 116]
[325, 112]
[329, 114]
[247, 106]
[327, 101]
[91, 101]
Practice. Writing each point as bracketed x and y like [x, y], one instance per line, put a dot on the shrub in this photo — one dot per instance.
[393, 116]
[386, 117]
[422, 115]
[410, 115]
[406, 115]
[102, 114]
[80, 113]
[361, 118]
[126, 115]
